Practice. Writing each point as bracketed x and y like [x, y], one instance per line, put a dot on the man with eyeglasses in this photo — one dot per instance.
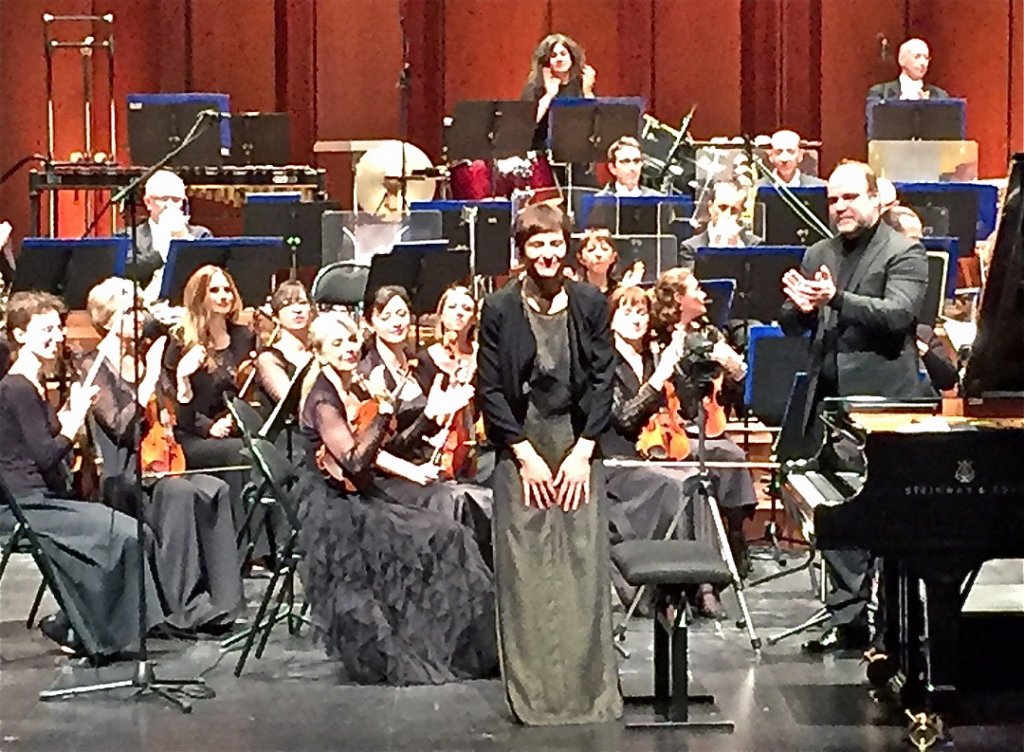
[858, 294]
[625, 162]
[164, 197]
[724, 228]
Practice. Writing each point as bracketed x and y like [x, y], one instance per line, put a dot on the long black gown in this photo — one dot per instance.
[196, 555]
[94, 549]
[399, 594]
[210, 390]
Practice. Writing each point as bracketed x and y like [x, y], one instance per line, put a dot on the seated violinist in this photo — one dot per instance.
[453, 358]
[398, 594]
[597, 258]
[678, 304]
[408, 470]
[202, 361]
[644, 501]
[94, 550]
[286, 352]
[191, 518]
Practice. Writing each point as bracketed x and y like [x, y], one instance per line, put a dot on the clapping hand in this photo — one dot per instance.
[589, 76]
[551, 82]
[809, 294]
[634, 275]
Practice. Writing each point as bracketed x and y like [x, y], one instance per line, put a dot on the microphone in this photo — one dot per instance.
[883, 44]
[215, 114]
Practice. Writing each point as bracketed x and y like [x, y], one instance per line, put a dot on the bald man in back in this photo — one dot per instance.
[914, 58]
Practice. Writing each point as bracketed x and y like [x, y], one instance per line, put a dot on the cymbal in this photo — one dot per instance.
[390, 177]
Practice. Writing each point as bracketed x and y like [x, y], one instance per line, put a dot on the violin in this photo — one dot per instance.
[664, 437]
[86, 469]
[715, 420]
[160, 451]
[267, 331]
[453, 454]
[365, 414]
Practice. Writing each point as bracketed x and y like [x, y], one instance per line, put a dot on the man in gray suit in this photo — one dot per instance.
[914, 57]
[164, 197]
[724, 229]
[858, 294]
[785, 156]
[625, 162]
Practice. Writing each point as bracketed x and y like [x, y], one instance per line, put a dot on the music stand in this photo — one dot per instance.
[962, 203]
[781, 225]
[581, 130]
[757, 272]
[934, 220]
[490, 129]
[493, 231]
[251, 261]
[773, 359]
[69, 268]
[658, 253]
[633, 215]
[425, 270]
[260, 138]
[951, 248]
[720, 293]
[917, 120]
[934, 294]
[156, 128]
[299, 224]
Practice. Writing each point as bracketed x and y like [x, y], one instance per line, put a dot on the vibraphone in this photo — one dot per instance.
[227, 185]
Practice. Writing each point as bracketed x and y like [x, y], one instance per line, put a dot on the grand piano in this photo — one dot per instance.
[934, 491]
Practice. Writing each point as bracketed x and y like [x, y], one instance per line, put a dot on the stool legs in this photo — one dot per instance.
[671, 699]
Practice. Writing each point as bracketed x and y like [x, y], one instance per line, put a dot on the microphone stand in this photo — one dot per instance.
[144, 680]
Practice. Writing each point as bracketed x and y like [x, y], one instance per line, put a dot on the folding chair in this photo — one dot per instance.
[279, 477]
[19, 543]
[30, 541]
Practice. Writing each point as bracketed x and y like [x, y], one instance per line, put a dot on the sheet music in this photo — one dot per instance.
[961, 333]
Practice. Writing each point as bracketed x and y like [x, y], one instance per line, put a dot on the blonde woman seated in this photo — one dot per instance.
[399, 594]
[196, 556]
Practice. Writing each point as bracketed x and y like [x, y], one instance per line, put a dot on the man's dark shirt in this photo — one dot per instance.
[853, 252]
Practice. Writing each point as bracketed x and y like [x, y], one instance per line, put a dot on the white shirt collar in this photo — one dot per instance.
[909, 88]
[792, 183]
[621, 191]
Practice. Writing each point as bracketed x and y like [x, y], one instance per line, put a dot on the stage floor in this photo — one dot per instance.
[291, 700]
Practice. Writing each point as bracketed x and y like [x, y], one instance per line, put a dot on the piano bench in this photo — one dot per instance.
[669, 567]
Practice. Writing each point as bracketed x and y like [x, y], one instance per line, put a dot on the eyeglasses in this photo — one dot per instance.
[630, 161]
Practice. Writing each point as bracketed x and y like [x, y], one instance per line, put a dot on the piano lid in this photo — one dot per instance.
[996, 365]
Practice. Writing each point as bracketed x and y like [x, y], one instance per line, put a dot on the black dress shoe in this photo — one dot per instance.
[57, 627]
[838, 638]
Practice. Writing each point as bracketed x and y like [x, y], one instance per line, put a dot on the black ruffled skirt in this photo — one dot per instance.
[399, 595]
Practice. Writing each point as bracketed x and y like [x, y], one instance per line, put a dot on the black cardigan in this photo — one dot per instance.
[508, 348]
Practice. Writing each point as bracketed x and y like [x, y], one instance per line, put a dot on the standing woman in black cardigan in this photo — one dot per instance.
[544, 386]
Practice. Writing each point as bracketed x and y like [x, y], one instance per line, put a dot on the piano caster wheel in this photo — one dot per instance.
[741, 624]
[925, 730]
[756, 643]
